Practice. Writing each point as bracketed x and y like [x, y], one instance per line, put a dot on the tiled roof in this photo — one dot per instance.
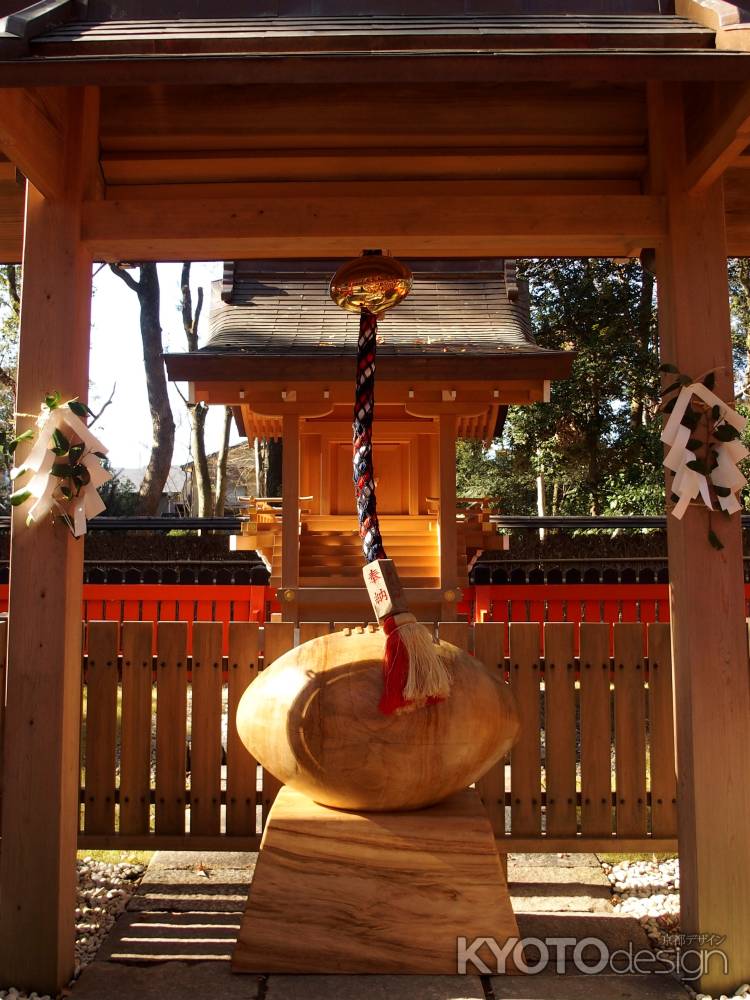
[455, 307]
[372, 32]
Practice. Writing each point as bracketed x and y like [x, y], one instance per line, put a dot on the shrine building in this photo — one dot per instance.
[451, 359]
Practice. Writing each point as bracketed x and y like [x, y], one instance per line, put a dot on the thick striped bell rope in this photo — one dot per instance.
[364, 410]
[414, 673]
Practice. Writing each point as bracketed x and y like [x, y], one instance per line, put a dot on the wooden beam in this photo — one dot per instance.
[420, 369]
[290, 502]
[409, 218]
[737, 211]
[407, 69]
[437, 119]
[719, 136]
[612, 170]
[12, 201]
[42, 768]
[709, 635]
[31, 136]
[277, 408]
[410, 395]
[458, 409]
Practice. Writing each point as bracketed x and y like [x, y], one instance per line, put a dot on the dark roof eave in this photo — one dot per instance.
[515, 65]
[203, 366]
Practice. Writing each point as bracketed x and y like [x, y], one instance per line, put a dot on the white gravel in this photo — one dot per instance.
[650, 891]
[103, 893]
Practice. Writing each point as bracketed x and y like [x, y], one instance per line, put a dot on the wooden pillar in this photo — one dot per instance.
[290, 504]
[448, 533]
[709, 636]
[41, 754]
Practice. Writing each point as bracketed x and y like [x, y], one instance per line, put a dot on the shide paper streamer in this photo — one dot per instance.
[689, 484]
[68, 488]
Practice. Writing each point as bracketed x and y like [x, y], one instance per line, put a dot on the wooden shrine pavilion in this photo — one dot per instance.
[287, 129]
[452, 357]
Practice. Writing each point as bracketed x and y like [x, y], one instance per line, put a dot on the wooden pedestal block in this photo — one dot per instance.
[347, 892]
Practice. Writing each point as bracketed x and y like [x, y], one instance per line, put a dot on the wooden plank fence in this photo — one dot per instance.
[162, 766]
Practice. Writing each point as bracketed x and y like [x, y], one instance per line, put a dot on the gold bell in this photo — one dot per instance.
[374, 282]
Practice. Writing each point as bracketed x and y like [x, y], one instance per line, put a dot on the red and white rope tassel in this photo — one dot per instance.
[414, 671]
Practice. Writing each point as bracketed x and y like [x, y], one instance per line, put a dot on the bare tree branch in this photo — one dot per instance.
[221, 464]
[181, 394]
[108, 403]
[188, 324]
[196, 411]
[162, 420]
[196, 320]
[126, 277]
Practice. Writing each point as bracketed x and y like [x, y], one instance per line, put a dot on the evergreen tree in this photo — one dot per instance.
[597, 441]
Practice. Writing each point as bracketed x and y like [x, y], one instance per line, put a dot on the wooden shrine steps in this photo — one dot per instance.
[331, 552]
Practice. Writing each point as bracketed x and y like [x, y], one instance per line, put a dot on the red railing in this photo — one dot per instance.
[173, 602]
[597, 602]
[586, 602]
[501, 603]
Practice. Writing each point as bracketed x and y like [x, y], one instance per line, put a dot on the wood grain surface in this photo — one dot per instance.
[350, 892]
[312, 720]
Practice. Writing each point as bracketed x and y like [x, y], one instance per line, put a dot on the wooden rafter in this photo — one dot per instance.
[606, 163]
[31, 137]
[12, 192]
[719, 137]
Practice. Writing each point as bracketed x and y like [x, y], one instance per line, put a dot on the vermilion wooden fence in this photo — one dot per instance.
[575, 603]
[589, 602]
[615, 602]
[162, 765]
[177, 602]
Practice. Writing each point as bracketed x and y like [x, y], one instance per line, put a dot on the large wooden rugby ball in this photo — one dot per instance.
[312, 720]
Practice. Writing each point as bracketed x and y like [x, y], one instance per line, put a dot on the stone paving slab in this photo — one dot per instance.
[189, 881]
[587, 988]
[168, 981]
[550, 884]
[586, 860]
[374, 988]
[174, 890]
[185, 937]
[178, 934]
[613, 930]
[555, 874]
[210, 859]
[532, 900]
